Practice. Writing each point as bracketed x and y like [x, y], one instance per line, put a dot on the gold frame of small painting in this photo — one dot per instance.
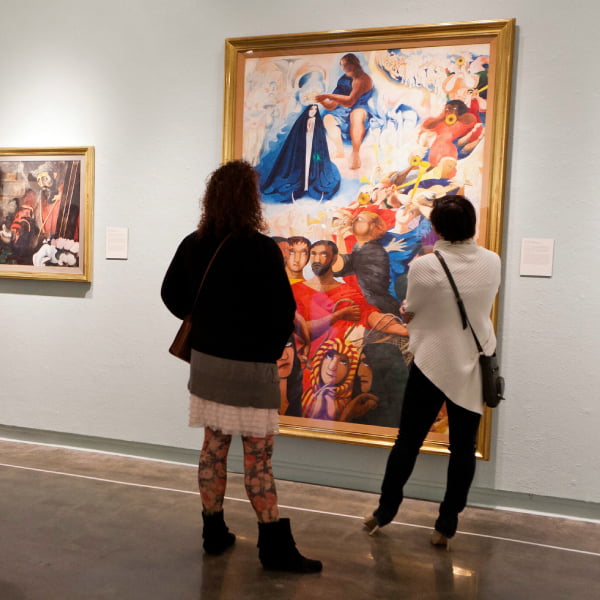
[46, 213]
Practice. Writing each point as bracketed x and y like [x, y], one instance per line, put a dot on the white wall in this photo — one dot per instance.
[142, 82]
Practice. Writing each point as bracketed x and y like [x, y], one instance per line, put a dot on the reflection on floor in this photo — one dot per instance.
[85, 525]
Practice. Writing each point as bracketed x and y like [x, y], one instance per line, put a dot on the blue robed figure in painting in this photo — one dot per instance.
[300, 165]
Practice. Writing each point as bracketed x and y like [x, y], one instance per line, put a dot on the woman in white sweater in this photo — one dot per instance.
[446, 361]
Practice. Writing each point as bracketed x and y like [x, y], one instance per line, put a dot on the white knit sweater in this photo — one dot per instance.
[444, 351]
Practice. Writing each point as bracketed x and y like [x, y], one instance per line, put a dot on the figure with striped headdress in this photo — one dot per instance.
[334, 367]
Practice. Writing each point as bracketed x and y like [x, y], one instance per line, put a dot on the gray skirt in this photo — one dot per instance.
[234, 382]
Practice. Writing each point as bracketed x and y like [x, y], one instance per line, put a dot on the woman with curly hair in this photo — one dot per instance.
[334, 367]
[236, 340]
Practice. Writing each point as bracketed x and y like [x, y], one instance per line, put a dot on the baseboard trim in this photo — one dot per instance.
[110, 445]
[315, 474]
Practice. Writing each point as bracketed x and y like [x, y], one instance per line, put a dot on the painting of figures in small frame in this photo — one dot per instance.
[46, 207]
[354, 134]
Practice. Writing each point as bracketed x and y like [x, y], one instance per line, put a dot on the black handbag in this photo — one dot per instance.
[182, 344]
[492, 383]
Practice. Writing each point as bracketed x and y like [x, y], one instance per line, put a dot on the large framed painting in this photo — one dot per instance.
[46, 204]
[354, 134]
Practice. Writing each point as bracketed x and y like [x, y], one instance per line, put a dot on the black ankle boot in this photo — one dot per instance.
[446, 525]
[277, 550]
[217, 537]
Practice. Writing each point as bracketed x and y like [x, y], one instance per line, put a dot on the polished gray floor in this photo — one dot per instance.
[85, 525]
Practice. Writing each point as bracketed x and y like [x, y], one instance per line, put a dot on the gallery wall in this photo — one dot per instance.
[142, 81]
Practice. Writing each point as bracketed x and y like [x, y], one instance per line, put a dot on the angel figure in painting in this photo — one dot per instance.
[455, 127]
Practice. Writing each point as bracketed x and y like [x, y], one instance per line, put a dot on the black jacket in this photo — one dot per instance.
[246, 308]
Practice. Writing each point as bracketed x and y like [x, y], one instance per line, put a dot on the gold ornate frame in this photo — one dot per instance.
[499, 35]
[64, 251]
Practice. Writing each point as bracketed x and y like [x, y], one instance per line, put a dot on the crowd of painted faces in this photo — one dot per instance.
[347, 360]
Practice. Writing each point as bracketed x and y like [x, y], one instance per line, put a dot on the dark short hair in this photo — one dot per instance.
[298, 239]
[329, 243]
[352, 59]
[453, 218]
[459, 106]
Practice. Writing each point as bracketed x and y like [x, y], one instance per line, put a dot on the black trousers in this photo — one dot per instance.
[422, 403]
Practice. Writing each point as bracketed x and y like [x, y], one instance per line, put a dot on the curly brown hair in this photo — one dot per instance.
[231, 202]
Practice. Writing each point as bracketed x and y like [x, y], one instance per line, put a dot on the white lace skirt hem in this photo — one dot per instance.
[234, 420]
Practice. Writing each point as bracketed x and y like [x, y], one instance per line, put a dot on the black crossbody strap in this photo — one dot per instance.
[461, 305]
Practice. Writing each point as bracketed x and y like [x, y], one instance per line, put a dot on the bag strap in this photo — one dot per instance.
[207, 270]
[459, 301]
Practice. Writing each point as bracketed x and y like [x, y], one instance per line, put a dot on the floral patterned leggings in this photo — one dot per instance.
[258, 474]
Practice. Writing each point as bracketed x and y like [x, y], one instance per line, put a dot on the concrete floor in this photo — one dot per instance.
[85, 525]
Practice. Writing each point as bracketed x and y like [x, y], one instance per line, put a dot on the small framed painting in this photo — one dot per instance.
[46, 208]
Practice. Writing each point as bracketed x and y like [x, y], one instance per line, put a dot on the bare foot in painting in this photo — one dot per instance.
[355, 160]
[339, 152]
